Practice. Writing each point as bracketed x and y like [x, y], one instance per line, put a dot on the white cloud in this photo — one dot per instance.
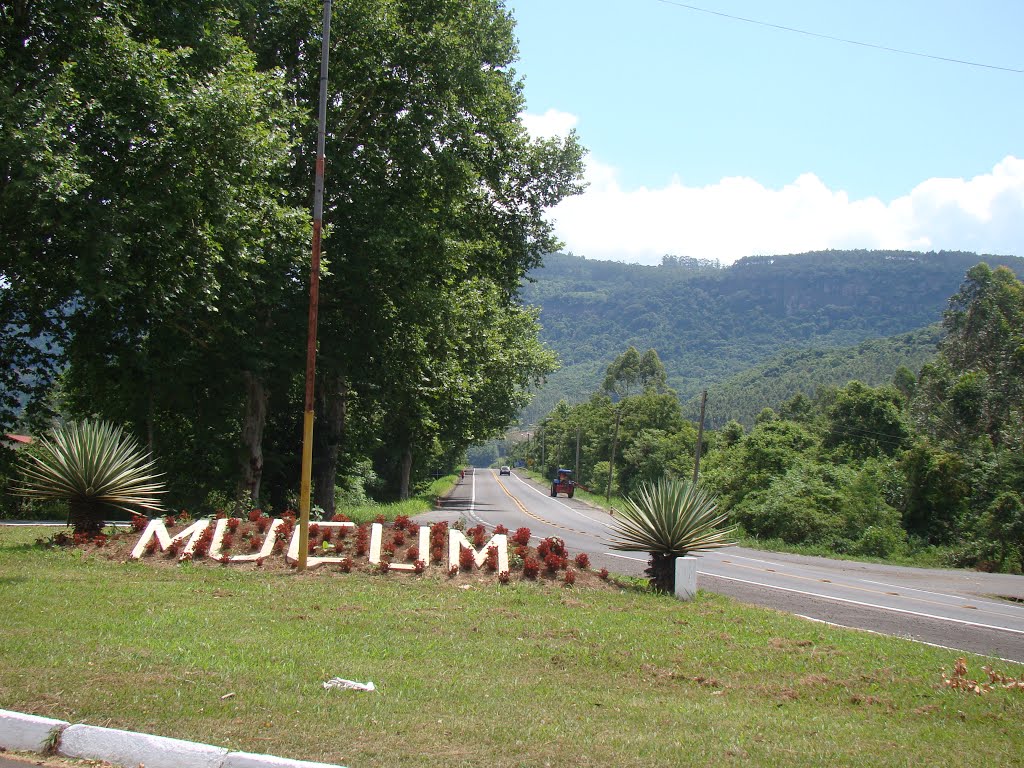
[551, 123]
[739, 216]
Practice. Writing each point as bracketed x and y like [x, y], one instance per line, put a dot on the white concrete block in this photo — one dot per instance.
[129, 749]
[686, 577]
[27, 733]
[249, 760]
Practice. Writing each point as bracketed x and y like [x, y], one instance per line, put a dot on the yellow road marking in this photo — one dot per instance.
[530, 514]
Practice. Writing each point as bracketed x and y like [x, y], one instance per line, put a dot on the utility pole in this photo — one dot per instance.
[700, 436]
[577, 475]
[611, 464]
[314, 296]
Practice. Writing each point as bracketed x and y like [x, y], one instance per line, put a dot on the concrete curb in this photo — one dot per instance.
[90, 742]
[30, 733]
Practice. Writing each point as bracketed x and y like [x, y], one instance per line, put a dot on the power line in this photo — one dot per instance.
[839, 39]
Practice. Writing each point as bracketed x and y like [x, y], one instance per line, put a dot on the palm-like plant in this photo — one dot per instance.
[669, 519]
[91, 465]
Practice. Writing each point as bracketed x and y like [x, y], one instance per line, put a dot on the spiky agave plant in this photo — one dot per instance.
[669, 519]
[91, 465]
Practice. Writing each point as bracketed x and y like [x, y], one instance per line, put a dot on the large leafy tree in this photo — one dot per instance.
[435, 198]
[142, 206]
[155, 181]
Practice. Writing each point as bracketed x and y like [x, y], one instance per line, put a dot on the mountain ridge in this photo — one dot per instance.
[709, 322]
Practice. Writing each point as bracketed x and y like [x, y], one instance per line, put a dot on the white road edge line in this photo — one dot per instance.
[868, 605]
[471, 512]
[781, 565]
[627, 557]
[903, 637]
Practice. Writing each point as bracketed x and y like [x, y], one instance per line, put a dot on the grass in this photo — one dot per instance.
[422, 501]
[513, 676]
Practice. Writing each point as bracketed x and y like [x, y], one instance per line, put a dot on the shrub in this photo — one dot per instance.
[582, 560]
[522, 537]
[531, 567]
[91, 465]
[881, 542]
[477, 534]
[554, 563]
[669, 519]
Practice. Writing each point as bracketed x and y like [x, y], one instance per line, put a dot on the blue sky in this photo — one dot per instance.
[716, 138]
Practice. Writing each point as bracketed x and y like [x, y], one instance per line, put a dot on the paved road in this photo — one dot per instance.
[958, 609]
[21, 761]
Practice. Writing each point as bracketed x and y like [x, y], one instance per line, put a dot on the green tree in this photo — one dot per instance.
[154, 214]
[1003, 524]
[865, 422]
[623, 375]
[936, 495]
[978, 382]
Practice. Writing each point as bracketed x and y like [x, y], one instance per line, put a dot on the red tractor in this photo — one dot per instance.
[563, 483]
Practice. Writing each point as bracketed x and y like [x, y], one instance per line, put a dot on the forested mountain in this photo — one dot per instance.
[709, 323]
[743, 396]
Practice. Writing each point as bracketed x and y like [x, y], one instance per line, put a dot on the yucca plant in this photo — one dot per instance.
[91, 465]
[669, 519]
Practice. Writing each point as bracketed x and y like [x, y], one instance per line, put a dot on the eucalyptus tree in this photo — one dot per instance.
[974, 386]
[434, 192]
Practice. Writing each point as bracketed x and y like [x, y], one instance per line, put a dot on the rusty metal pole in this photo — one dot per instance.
[314, 297]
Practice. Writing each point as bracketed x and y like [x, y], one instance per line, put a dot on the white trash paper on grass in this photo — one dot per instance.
[349, 685]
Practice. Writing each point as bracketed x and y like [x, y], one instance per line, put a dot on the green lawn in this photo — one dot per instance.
[523, 675]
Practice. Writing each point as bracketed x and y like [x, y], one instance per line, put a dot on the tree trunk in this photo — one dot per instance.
[331, 402]
[406, 473]
[253, 422]
[86, 518]
[661, 571]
